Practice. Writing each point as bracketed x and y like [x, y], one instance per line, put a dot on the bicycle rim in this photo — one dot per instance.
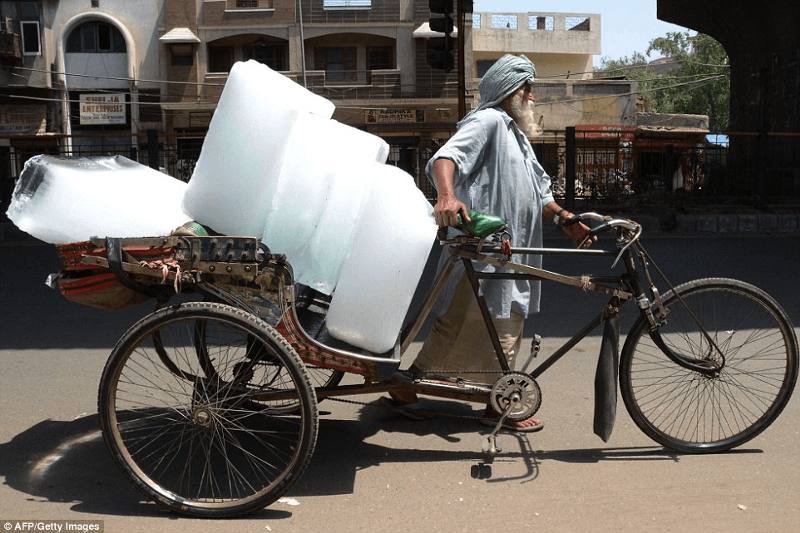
[185, 410]
[695, 413]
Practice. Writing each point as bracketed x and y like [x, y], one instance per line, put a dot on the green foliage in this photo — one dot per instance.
[693, 77]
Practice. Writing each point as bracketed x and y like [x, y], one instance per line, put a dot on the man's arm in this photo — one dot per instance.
[447, 205]
[554, 213]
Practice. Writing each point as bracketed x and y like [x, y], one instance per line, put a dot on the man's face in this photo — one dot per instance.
[520, 108]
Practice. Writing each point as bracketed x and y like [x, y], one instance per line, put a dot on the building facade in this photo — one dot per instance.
[142, 79]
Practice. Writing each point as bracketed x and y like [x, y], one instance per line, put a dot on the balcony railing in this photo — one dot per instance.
[351, 84]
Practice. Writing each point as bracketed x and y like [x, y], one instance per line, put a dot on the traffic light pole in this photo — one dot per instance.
[462, 85]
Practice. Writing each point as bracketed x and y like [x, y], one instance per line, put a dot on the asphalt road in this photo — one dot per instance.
[375, 471]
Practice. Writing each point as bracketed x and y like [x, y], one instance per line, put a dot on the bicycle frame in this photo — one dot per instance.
[466, 254]
[381, 370]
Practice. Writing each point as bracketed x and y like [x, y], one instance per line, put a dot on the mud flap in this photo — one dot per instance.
[605, 380]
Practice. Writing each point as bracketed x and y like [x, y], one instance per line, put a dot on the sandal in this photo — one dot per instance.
[413, 411]
[511, 425]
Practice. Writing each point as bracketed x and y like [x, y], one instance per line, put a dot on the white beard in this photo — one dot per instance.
[522, 113]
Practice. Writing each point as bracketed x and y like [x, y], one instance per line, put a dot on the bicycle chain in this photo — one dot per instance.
[438, 414]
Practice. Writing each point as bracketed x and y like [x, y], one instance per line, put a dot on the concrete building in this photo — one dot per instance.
[561, 45]
[87, 80]
[143, 79]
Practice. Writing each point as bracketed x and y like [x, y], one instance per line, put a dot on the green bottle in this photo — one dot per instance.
[481, 224]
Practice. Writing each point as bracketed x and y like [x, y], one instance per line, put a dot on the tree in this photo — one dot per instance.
[692, 77]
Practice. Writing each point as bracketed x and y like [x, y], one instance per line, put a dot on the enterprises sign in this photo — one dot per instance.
[102, 109]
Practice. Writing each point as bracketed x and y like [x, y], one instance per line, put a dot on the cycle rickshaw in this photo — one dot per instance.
[211, 407]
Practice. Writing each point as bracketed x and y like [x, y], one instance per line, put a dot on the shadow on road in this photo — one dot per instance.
[67, 461]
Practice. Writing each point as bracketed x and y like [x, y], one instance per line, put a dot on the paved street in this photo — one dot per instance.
[374, 471]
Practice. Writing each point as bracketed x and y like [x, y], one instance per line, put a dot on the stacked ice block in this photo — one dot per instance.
[61, 200]
[275, 165]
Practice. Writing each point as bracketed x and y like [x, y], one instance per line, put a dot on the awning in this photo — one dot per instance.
[424, 32]
[179, 36]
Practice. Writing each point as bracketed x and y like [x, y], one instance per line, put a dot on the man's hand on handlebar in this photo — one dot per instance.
[577, 231]
[446, 211]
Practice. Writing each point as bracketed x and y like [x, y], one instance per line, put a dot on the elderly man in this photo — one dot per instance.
[489, 166]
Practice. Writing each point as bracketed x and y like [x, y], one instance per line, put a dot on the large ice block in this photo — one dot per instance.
[392, 240]
[61, 200]
[274, 165]
[323, 184]
[237, 173]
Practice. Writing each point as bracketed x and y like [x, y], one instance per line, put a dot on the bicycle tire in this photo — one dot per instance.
[321, 377]
[198, 432]
[688, 411]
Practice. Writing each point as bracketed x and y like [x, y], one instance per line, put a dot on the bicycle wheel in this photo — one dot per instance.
[270, 313]
[192, 406]
[696, 412]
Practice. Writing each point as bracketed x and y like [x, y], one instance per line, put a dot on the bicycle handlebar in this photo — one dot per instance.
[630, 230]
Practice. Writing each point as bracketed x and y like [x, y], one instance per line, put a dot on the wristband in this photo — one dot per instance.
[557, 218]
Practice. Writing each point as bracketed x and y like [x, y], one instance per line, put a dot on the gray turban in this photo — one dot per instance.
[507, 75]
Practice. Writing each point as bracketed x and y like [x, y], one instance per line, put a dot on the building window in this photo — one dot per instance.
[380, 58]
[504, 22]
[249, 4]
[271, 54]
[96, 37]
[339, 64]
[484, 65]
[347, 4]
[31, 45]
[541, 22]
[577, 23]
[23, 17]
[182, 55]
[220, 58]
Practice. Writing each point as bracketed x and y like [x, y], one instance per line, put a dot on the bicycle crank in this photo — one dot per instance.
[515, 396]
[518, 389]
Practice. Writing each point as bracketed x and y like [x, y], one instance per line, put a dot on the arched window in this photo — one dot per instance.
[96, 37]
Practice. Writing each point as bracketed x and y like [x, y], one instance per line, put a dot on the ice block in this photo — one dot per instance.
[237, 173]
[322, 186]
[61, 200]
[392, 240]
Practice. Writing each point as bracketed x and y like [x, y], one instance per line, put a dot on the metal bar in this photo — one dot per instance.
[566, 347]
[569, 178]
[487, 318]
[411, 330]
[547, 251]
[585, 284]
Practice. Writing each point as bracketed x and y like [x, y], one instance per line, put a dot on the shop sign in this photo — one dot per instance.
[606, 132]
[23, 119]
[102, 109]
[394, 116]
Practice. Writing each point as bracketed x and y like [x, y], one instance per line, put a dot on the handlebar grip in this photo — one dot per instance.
[605, 226]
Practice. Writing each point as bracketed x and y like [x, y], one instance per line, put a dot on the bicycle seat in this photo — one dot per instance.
[481, 224]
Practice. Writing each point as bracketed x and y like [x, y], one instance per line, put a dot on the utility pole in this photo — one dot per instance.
[462, 84]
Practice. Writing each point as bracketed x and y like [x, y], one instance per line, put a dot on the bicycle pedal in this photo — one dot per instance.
[492, 445]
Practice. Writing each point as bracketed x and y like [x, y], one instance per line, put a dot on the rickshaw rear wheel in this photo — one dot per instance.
[207, 410]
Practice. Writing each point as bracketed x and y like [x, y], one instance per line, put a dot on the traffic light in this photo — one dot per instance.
[440, 49]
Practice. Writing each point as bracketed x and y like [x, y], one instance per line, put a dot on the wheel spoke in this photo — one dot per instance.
[180, 415]
[693, 412]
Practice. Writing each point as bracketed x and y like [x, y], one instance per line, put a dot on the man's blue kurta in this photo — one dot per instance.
[498, 173]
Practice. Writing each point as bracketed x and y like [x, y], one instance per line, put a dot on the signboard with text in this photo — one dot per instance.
[102, 109]
[394, 116]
